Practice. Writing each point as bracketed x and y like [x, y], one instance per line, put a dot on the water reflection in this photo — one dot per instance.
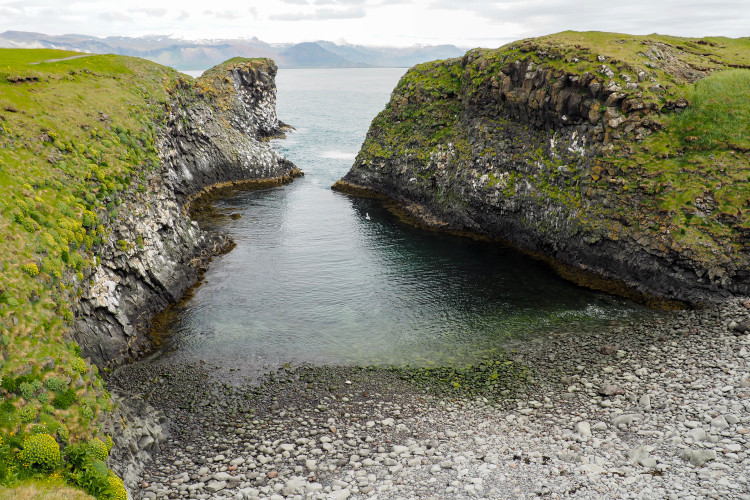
[312, 280]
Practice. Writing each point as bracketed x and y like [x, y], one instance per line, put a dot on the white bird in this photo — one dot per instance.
[367, 216]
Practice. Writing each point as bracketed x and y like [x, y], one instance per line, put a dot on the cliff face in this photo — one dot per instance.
[570, 147]
[215, 134]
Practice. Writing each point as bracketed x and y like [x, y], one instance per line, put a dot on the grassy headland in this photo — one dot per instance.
[611, 136]
[77, 134]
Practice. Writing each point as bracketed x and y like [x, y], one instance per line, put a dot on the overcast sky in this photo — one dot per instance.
[467, 23]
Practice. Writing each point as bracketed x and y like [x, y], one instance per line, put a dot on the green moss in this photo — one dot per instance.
[493, 377]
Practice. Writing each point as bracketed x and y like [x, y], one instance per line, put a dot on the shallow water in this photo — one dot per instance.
[321, 277]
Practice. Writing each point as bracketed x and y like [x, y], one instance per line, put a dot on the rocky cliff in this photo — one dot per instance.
[215, 134]
[585, 149]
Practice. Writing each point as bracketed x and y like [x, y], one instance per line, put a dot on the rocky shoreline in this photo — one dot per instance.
[658, 409]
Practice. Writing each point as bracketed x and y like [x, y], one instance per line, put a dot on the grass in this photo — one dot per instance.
[695, 174]
[77, 137]
[685, 186]
[74, 136]
[48, 489]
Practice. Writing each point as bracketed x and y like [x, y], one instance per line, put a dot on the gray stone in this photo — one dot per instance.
[641, 456]
[214, 486]
[698, 457]
[340, 495]
[625, 420]
[583, 429]
[610, 390]
[697, 434]
[719, 423]
[294, 485]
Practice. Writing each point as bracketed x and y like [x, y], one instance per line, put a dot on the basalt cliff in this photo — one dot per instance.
[214, 135]
[623, 161]
[101, 158]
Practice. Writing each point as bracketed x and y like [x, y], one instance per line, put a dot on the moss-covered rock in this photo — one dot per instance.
[621, 160]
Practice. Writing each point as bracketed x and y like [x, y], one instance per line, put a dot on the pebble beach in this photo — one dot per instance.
[659, 409]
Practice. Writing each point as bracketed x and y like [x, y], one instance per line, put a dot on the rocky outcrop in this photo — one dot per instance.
[215, 134]
[137, 431]
[541, 144]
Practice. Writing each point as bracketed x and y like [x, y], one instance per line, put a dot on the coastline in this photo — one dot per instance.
[421, 217]
[676, 423]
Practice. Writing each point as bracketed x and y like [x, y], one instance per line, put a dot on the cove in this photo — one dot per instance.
[319, 277]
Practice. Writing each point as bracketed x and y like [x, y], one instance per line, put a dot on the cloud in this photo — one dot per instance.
[115, 17]
[350, 13]
[636, 16]
[253, 12]
[295, 2]
[155, 12]
[227, 14]
[291, 16]
[340, 2]
[322, 15]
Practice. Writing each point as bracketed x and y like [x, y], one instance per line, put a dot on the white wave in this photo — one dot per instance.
[338, 155]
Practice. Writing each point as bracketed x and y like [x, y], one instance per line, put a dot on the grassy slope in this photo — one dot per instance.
[43, 490]
[687, 182]
[75, 136]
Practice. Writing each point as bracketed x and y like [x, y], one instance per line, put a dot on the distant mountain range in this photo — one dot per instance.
[202, 54]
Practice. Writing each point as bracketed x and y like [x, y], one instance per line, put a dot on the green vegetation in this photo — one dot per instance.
[76, 138]
[75, 135]
[49, 488]
[667, 152]
[695, 174]
[493, 377]
[424, 116]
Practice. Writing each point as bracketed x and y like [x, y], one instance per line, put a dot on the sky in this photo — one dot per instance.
[466, 23]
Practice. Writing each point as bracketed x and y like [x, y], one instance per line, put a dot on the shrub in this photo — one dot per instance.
[87, 412]
[26, 390]
[98, 449]
[10, 384]
[79, 365]
[38, 429]
[109, 443]
[63, 433]
[43, 397]
[93, 478]
[40, 451]
[118, 487]
[55, 384]
[30, 269]
[64, 400]
[28, 413]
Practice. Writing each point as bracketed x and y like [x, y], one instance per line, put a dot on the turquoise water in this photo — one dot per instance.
[313, 279]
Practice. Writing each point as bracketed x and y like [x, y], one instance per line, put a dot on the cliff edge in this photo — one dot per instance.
[621, 160]
[214, 134]
[100, 159]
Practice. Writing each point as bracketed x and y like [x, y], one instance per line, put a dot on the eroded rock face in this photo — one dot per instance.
[137, 431]
[519, 144]
[218, 136]
[155, 251]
